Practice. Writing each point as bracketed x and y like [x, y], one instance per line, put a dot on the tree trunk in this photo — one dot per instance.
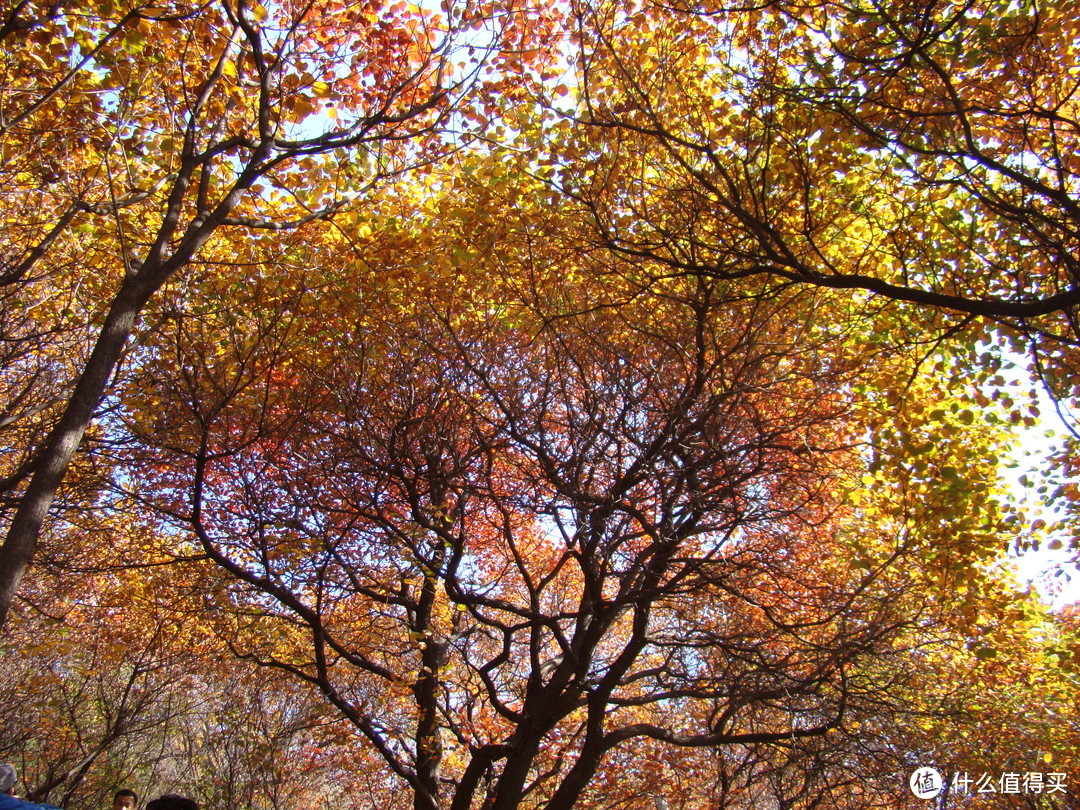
[52, 462]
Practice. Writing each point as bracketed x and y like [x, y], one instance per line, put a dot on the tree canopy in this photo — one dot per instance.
[595, 404]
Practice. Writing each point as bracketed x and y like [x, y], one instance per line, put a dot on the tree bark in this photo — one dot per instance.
[53, 461]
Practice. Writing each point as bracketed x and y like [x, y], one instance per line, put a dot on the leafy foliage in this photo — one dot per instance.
[592, 406]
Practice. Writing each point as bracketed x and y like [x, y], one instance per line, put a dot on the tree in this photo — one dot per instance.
[95, 687]
[513, 512]
[539, 465]
[912, 153]
[122, 684]
[917, 151]
[173, 125]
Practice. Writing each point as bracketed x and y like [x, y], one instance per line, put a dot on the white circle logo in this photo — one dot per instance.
[926, 783]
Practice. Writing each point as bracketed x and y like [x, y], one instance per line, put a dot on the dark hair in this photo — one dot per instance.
[172, 801]
[124, 793]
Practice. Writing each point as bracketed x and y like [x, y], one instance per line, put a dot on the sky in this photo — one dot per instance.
[1049, 570]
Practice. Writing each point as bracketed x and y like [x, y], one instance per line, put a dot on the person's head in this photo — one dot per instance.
[172, 801]
[8, 778]
[125, 800]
